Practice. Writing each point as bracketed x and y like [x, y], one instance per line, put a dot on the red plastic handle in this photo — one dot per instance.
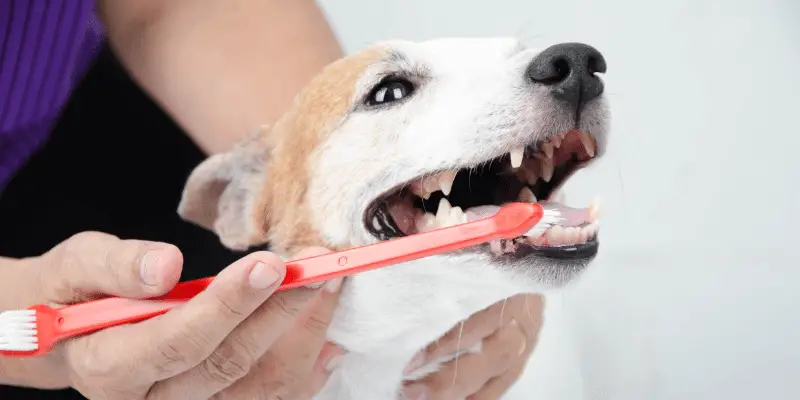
[510, 222]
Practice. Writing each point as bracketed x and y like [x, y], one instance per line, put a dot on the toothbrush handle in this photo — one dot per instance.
[510, 222]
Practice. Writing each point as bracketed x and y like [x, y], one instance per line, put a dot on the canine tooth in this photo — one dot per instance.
[547, 169]
[516, 156]
[526, 195]
[560, 197]
[587, 142]
[594, 210]
[446, 181]
[547, 149]
[444, 208]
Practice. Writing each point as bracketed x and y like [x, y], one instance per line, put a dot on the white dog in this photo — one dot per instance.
[406, 137]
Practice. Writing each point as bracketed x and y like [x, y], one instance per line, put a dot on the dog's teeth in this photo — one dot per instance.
[555, 235]
[457, 216]
[430, 184]
[526, 195]
[516, 157]
[426, 222]
[418, 188]
[443, 212]
[547, 169]
[559, 197]
[445, 181]
[594, 210]
[587, 142]
[547, 149]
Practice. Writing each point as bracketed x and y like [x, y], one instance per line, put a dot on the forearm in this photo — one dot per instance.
[221, 68]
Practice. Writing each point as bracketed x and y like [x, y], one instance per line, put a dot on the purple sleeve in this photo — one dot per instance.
[45, 48]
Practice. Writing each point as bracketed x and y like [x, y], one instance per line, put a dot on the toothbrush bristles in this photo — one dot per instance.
[18, 330]
[549, 218]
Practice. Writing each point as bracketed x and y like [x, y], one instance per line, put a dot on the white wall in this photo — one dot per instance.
[693, 296]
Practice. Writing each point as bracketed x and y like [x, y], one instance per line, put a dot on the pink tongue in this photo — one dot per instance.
[572, 216]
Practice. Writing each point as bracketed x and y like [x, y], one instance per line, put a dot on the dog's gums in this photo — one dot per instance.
[529, 174]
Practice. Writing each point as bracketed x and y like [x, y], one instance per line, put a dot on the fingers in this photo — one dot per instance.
[92, 263]
[496, 387]
[470, 372]
[299, 363]
[172, 343]
[475, 329]
[233, 359]
[326, 363]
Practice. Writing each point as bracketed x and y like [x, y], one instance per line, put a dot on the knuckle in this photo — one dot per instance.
[285, 387]
[284, 306]
[227, 307]
[182, 350]
[92, 365]
[230, 362]
[79, 242]
[315, 324]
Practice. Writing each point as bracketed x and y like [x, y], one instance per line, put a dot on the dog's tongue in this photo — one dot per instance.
[571, 216]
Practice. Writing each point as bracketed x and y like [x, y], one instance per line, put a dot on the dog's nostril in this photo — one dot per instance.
[596, 65]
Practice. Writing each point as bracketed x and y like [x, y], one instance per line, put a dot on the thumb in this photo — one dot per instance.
[92, 263]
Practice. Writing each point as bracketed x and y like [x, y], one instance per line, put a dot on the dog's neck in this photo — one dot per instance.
[385, 316]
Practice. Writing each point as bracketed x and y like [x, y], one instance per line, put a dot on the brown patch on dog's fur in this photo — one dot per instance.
[316, 112]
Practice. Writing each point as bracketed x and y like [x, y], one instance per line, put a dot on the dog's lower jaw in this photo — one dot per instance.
[382, 328]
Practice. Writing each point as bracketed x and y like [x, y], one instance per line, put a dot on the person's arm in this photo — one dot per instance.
[220, 68]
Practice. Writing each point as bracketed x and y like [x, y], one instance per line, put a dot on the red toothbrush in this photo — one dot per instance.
[36, 330]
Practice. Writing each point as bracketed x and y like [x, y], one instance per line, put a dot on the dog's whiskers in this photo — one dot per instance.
[528, 309]
[503, 310]
[458, 354]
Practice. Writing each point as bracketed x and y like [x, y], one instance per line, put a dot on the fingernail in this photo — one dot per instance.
[524, 345]
[262, 276]
[333, 285]
[148, 270]
[333, 362]
[417, 361]
[416, 392]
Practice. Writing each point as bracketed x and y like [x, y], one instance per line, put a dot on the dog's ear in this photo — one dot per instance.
[227, 193]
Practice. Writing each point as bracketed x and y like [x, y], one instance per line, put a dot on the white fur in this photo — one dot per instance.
[473, 103]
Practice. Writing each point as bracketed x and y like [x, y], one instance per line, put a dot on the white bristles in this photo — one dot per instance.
[549, 218]
[18, 330]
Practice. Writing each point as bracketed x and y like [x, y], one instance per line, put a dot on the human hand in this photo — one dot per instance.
[508, 332]
[236, 339]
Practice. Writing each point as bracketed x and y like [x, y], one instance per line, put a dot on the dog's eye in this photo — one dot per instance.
[390, 91]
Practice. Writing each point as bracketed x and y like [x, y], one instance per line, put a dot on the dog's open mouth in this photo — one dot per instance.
[529, 174]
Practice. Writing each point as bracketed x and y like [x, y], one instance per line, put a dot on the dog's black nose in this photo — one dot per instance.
[569, 70]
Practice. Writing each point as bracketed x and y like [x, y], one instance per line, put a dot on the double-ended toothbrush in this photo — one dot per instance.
[36, 330]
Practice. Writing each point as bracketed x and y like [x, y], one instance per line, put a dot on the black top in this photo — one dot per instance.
[115, 163]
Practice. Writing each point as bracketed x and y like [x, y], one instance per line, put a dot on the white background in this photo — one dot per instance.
[694, 295]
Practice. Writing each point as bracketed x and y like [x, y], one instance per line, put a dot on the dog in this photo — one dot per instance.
[405, 137]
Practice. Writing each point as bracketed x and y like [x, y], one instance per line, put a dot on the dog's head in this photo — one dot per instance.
[406, 137]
